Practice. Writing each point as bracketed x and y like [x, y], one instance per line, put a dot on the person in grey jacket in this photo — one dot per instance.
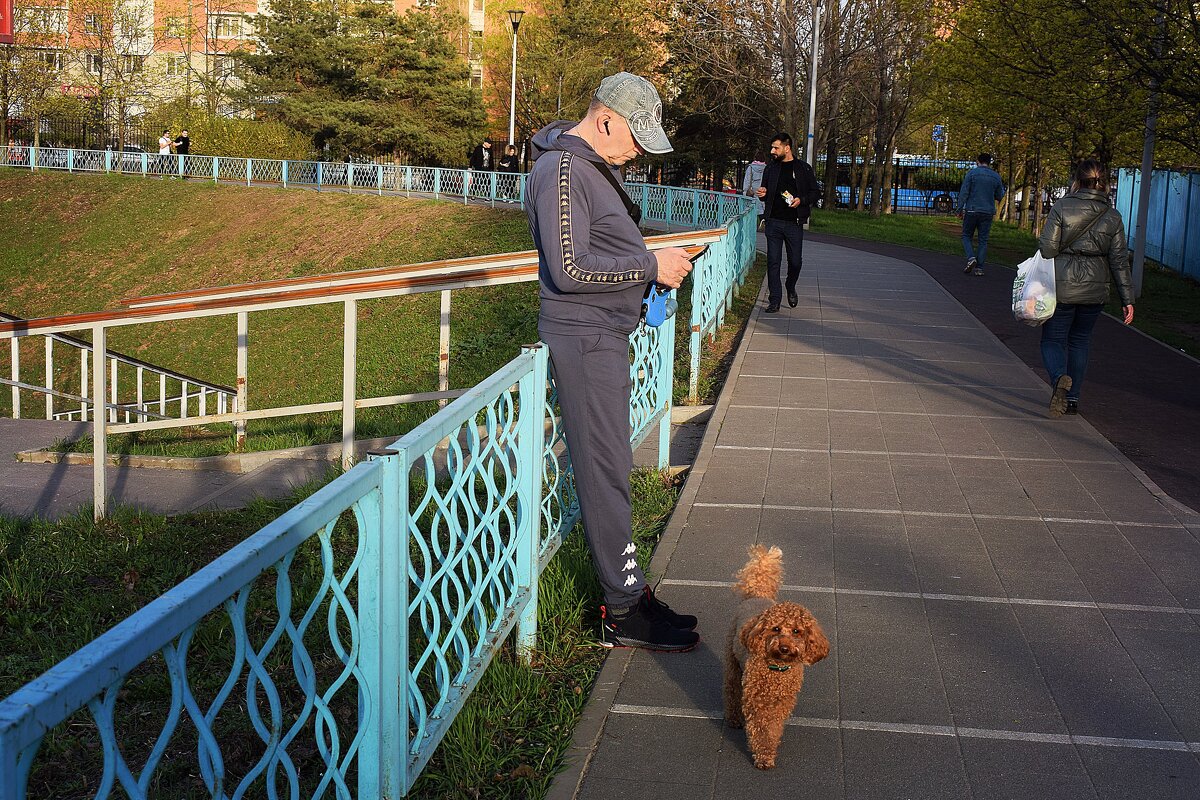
[981, 189]
[593, 270]
[1086, 238]
[752, 180]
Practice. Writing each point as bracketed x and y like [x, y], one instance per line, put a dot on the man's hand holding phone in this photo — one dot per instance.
[673, 266]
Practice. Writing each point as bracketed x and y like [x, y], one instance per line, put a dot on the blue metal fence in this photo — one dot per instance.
[1172, 220]
[330, 651]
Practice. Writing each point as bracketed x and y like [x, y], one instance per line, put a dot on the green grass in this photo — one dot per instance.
[63, 583]
[82, 243]
[1168, 309]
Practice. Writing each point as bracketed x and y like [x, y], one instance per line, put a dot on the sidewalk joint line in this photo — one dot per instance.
[947, 514]
[925, 730]
[960, 598]
[1033, 459]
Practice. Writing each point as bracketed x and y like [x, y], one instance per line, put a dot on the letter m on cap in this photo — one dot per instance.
[6, 21]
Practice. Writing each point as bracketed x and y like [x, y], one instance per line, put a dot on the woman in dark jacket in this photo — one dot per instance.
[1086, 238]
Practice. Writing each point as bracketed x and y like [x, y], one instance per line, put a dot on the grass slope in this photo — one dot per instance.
[81, 243]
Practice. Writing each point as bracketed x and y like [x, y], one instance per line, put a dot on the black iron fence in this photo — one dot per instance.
[81, 133]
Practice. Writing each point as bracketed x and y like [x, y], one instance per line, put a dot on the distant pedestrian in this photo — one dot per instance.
[1086, 238]
[164, 153]
[483, 160]
[183, 146]
[752, 180]
[981, 189]
[510, 167]
[789, 192]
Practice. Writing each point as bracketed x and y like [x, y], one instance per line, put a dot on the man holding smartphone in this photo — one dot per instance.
[593, 271]
[789, 191]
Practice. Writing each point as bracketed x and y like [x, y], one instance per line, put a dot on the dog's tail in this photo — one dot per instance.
[763, 573]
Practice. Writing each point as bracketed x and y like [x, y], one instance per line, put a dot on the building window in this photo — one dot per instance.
[224, 67]
[176, 66]
[226, 26]
[42, 19]
[91, 23]
[477, 5]
[131, 65]
[476, 77]
[95, 64]
[52, 59]
[175, 27]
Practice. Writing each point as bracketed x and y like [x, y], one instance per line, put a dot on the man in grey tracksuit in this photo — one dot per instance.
[593, 270]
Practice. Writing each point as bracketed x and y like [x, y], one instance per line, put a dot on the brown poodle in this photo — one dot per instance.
[769, 645]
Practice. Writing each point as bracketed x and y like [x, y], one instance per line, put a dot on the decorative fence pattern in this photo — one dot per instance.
[420, 562]
[1171, 238]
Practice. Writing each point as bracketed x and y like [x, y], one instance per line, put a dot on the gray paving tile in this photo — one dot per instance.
[595, 788]
[713, 543]
[798, 479]
[684, 750]
[1132, 774]
[808, 766]
[887, 766]
[1006, 770]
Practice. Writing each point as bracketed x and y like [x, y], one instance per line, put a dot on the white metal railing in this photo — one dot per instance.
[138, 390]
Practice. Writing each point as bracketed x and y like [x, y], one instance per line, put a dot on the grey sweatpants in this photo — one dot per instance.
[592, 376]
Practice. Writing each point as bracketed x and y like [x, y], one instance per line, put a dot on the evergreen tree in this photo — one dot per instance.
[368, 81]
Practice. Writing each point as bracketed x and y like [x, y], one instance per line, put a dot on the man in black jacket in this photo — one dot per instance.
[789, 191]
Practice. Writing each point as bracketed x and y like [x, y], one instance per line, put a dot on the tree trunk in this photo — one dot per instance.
[831, 167]
[1037, 193]
[1006, 209]
[888, 180]
[787, 52]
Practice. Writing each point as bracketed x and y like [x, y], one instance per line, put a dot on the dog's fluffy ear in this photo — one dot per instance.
[816, 646]
[751, 632]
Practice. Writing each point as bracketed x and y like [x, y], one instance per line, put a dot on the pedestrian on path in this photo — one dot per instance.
[183, 146]
[164, 153]
[981, 189]
[789, 192]
[1086, 238]
[510, 167]
[593, 270]
[752, 180]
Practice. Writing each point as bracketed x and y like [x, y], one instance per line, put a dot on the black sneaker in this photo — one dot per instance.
[971, 264]
[793, 298]
[772, 308]
[641, 626]
[685, 622]
[1072, 406]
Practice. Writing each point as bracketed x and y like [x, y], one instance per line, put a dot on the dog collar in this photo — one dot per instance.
[778, 667]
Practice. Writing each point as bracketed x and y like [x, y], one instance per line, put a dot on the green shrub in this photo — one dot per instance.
[232, 137]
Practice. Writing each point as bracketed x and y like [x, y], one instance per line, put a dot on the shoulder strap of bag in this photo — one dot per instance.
[1062, 247]
[634, 211]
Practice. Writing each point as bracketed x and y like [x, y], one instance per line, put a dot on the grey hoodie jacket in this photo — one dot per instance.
[593, 265]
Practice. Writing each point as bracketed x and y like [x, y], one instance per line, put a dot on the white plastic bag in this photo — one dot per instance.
[1033, 290]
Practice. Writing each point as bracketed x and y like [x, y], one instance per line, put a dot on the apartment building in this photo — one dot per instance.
[144, 52]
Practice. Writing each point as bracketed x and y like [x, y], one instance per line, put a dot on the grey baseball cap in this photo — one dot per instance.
[635, 99]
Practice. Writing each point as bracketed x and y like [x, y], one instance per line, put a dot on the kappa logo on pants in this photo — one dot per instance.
[630, 581]
[630, 564]
[630, 549]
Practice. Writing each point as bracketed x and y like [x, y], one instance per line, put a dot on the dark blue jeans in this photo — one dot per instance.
[1066, 338]
[780, 233]
[976, 221]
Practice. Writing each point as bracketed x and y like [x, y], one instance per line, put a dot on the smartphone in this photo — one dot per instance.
[699, 253]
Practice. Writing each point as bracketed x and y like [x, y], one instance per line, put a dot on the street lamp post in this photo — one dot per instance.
[811, 142]
[514, 16]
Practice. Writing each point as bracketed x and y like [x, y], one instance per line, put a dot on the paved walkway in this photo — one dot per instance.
[57, 490]
[1013, 606]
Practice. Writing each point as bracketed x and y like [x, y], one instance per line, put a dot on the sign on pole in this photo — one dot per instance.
[6, 21]
[939, 133]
